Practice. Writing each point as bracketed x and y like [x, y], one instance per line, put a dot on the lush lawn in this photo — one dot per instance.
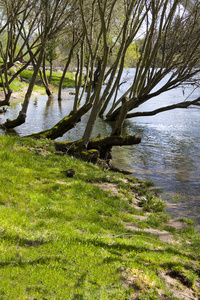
[66, 238]
[69, 80]
[18, 86]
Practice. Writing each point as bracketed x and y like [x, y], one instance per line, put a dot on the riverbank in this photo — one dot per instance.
[168, 153]
[19, 86]
[95, 235]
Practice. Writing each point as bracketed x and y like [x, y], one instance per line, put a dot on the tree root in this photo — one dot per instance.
[98, 149]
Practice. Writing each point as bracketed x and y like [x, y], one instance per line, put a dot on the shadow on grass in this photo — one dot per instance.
[117, 249]
[80, 280]
[78, 297]
[23, 242]
[40, 261]
[128, 248]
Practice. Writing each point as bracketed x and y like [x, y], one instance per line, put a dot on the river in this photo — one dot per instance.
[169, 153]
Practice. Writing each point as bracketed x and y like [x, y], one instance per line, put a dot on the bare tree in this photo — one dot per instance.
[72, 36]
[101, 31]
[12, 49]
[132, 16]
[171, 47]
[51, 18]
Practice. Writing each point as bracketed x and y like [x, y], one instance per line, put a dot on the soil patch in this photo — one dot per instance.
[108, 187]
[179, 290]
[164, 235]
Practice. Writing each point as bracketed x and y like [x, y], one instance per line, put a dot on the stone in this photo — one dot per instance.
[70, 173]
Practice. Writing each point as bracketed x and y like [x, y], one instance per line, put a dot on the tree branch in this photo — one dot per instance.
[162, 109]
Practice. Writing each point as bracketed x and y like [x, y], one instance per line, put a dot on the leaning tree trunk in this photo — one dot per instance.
[6, 101]
[45, 83]
[104, 145]
[22, 114]
[64, 73]
[97, 103]
[121, 118]
[98, 149]
[5, 85]
[43, 76]
[63, 126]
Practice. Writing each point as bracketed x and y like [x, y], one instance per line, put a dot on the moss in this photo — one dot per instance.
[90, 156]
[84, 153]
[93, 151]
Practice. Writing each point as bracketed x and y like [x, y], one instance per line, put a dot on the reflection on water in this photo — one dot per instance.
[169, 153]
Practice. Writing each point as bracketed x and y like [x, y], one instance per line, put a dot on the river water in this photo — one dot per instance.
[169, 153]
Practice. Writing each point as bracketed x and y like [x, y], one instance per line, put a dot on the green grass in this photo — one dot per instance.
[66, 238]
[18, 86]
[69, 81]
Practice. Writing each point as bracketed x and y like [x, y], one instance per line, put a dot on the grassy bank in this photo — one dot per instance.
[69, 80]
[97, 235]
[18, 85]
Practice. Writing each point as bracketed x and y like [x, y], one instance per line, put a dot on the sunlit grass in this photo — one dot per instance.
[69, 80]
[65, 238]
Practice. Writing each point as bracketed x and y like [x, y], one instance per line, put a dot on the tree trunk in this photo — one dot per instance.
[48, 91]
[97, 103]
[63, 126]
[51, 71]
[32, 82]
[64, 73]
[22, 114]
[6, 101]
[127, 140]
[79, 75]
[9, 124]
[102, 145]
[121, 117]
[97, 72]
[44, 78]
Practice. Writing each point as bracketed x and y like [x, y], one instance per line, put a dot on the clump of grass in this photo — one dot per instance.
[148, 183]
[187, 221]
[151, 203]
[157, 219]
[65, 238]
